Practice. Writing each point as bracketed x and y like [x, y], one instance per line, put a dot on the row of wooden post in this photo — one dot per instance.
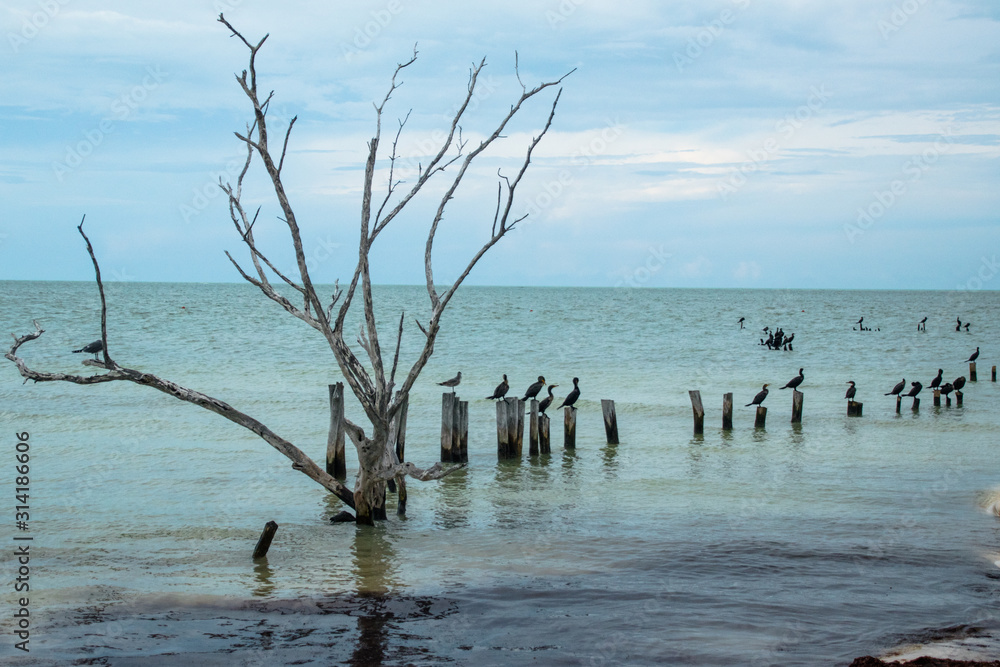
[510, 428]
[760, 419]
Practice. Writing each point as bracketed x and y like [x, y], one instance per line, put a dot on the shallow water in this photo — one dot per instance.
[798, 544]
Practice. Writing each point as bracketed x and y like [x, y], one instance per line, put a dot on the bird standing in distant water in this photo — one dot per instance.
[850, 391]
[547, 401]
[92, 348]
[958, 327]
[501, 389]
[898, 388]
[759, 398]
[572, 397]
[454, 382]
[975, 355]
[795, 381]
[534, 388]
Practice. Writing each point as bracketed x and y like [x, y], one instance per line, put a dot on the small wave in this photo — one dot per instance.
[959, 643]
[990, 501]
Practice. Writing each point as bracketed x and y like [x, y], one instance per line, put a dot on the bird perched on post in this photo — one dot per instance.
[975, 355]
[454, 382]
[572, 396]
[501, 389]
[534, 389]
[959, 383]
[741, 321]
[93, 348]
[759, 398]
[547, 401]
[915, 388]
[850, 391]
[936, 382]
[795, 381]
[947, 388]
[922, 325]
[898, 388]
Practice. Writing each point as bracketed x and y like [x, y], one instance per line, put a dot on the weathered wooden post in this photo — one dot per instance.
[533, 429]
[916, 404]
[397, 429]
[456, 432]
[569, 428]
[958, 398]
[761, 417]
[947, 401]
[463, 430]
[699, 412]
[448, 401]
[937, 397]
[610, 420]
[515, 422]
[727, 412]
[993, 374]
[544, 446]
[264, 542]
[336, 461]
[503, 440]
[972, 371]
[797, 406]
[854, 409]
[899, 401]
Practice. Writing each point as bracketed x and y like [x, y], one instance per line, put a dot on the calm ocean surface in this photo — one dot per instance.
[801, 544]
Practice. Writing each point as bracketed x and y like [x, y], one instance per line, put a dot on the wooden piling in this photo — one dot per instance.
[264, 542]
[899, 401]
[958, 398]
[448, 401]
[533, 428]
[937, 398]
[515, 425]
[916, 404]
[544, 446]
[503, 440]
[761, 417]
[610, 420]
[947, 401]
[854, 409]
[797, 406]
[972, 371]
[993, 374]
[699, 412]
[456, 432]
[336, 461]
[727, 412]
[463, 430]
[569, 428]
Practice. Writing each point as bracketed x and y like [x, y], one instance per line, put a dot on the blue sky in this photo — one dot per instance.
[726, 143]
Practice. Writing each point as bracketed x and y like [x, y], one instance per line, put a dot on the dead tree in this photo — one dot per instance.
[377, 391]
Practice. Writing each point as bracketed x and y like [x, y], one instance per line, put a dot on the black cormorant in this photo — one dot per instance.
[922, 325]
[898, 388]
[759, 398]
[454, 382]
[795, 381]
[958, 327]
[501, 389]
[936, 382]
[547, 401]
[850, 391]
[959, 383]
[741, 320]
[92, 348]
[947, 388]
[975, 355]
[915, 388]
[573, 395]
[534, 389]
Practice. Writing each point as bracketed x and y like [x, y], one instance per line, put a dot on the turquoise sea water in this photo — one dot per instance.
[797, 544]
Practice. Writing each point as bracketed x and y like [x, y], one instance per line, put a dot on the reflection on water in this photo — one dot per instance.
[263, 576]
[373, 565]
[373, 636]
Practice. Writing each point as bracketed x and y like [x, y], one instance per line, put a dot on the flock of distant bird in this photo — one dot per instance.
[915, 387]
[501, 391]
